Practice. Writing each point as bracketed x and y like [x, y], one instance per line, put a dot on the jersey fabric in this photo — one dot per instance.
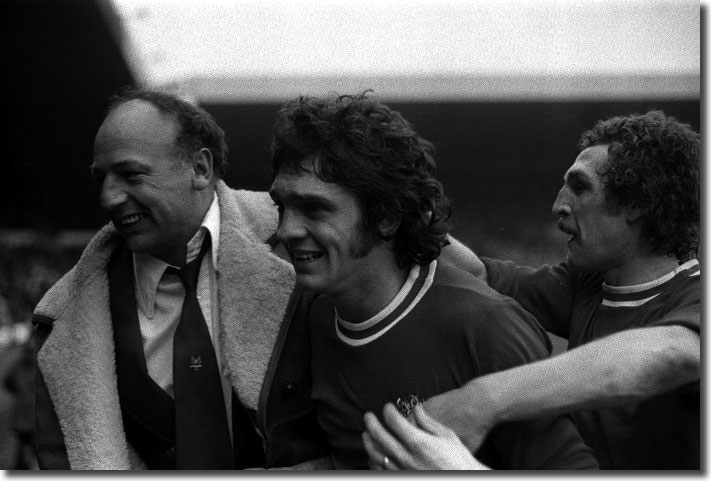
[442, 329]
[662, 432]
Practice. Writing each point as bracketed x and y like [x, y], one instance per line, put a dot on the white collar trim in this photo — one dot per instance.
[651, 284]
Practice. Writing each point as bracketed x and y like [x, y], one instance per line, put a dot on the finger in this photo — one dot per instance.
[390, 465]
[384, 442]
[376, 458]
[429, 424]
[375, 455]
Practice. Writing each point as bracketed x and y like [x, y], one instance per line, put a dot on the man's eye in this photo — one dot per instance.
[313, 209]
[132, 175]
[578, 186]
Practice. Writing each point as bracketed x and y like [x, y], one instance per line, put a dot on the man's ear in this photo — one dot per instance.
[633, 212]
[203, 168]
[388, 226]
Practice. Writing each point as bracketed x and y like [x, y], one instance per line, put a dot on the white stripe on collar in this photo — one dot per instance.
[651, 284]
[636, 303]
[404, 291]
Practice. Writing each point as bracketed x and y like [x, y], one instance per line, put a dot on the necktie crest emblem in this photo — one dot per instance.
[195, 362]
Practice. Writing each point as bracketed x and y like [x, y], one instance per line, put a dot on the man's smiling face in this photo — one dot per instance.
[321, 225]
[145, 185]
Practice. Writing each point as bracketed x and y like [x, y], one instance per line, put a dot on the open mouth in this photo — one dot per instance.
[130, 220]
[305, 256]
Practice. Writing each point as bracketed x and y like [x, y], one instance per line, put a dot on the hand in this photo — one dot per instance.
[466, 411]
[458, 255]
[424, 444]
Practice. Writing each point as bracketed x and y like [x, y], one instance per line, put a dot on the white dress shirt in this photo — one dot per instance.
[160, 300]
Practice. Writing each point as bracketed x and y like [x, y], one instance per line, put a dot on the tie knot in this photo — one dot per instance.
[189, 272]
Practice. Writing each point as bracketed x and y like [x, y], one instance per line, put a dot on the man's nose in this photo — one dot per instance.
[290, 226]
[561, 206]
[112, 193]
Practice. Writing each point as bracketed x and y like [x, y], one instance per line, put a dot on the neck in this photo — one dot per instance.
[177, 256]
[640, 269]
[370, 293]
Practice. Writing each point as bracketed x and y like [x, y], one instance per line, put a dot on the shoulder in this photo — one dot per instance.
[461, 289]
[247, 210]
[90, 269]
[484, 314]
[681, 300]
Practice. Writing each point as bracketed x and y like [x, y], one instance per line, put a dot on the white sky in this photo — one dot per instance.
[187, 42]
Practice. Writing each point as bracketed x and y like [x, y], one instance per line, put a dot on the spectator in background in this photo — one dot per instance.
[141, 365]
[16, 393]
[627, 299]
[364, 221]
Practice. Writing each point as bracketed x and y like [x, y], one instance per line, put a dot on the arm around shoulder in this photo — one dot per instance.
[647, 361]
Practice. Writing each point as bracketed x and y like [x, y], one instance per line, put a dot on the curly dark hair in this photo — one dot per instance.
[653, 162]
[363, 145]
[197, 127]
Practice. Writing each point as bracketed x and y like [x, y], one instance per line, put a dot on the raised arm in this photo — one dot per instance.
[627, 366]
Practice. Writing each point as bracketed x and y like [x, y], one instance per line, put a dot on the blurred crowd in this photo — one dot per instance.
[30, 262]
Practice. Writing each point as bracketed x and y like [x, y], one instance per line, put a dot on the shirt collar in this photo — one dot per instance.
[211, 224]
[148, 270]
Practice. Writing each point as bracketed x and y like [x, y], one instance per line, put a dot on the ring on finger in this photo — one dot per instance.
[386, 462]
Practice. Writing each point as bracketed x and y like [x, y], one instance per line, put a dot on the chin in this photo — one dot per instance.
[581, 265]
[140, 245]
[137, 244]
[312, 283]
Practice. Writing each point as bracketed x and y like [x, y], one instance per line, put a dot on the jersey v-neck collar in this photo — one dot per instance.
[417, 284]
[639, 294]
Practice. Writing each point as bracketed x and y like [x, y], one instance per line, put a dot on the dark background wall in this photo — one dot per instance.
[60, 63]
[501, 163]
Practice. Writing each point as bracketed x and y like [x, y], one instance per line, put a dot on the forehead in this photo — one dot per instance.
[136, 124]
[589, 162]
[306, 185]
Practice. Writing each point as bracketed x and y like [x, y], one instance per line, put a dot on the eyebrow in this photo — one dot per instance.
[119, 165]
[301, 198]
[576, 175]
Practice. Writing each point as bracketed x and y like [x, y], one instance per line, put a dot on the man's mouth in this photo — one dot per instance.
[568, 230]
[129, 220]
[305, 256]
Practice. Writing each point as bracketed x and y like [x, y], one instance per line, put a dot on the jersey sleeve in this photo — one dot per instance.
[546, 292]
[544, 443]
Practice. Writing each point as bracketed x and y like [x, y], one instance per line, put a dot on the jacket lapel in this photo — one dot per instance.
[77, 361]
[254, 288]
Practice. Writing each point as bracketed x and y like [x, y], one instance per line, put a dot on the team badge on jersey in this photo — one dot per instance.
[406, 406]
